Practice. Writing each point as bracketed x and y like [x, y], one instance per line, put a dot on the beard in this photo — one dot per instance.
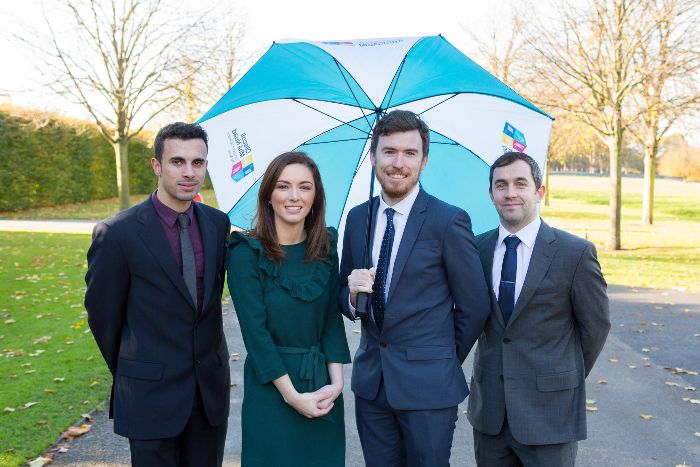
[172, 189]
[394, 191]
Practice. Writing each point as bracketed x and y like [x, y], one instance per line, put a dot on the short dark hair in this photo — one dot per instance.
[512, 156]
[178, 130]
[400, 121]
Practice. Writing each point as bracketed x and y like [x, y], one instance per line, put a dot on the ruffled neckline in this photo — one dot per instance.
[306, 290]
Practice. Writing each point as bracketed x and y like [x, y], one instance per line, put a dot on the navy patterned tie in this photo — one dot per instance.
[378, 291]
[189, 269]
[506, 290]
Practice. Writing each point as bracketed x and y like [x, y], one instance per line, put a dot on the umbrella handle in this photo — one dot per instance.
[361, 309]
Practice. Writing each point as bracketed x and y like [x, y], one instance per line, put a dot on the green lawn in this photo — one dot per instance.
[50, 357]
[664, 255]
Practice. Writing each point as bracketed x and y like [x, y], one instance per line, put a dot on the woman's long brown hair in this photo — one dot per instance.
[318, 244]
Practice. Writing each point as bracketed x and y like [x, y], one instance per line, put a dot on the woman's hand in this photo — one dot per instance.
[335, 390]
[307, 404]
[312, 404]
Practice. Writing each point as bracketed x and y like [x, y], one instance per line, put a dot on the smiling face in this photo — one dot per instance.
[293, 195]
[515, 195]
[181, 172]
[398, 163]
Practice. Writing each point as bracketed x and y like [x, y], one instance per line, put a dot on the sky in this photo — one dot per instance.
[267, 20]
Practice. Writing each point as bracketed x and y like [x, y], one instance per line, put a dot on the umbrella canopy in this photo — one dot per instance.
[324, 97]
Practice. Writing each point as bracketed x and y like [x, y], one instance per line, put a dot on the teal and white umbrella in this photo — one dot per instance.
[324, 97]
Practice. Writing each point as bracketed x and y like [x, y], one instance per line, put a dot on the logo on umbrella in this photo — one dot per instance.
[513, 138]
[240, 154]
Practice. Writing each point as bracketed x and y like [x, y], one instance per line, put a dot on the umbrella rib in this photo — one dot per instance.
[336, 141]
[396, 81]
[352, 92]
[331, 116]
[441, 102]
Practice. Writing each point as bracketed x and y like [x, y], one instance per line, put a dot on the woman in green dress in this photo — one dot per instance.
[283, 278]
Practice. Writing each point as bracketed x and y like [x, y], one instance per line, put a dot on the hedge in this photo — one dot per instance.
[47, 159]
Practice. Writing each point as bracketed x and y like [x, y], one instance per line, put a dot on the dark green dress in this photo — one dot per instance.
[291, 324]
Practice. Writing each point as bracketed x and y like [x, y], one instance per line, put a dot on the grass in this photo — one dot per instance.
[95, 210]
[44, 335]
[663, 255]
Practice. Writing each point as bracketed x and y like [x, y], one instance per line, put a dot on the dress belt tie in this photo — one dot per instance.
[313, 368]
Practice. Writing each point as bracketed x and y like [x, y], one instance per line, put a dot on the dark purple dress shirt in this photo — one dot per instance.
[171, 227]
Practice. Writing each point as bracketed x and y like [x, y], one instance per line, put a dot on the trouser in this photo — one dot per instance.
[401, 438]
[504, 451]
[199, 444]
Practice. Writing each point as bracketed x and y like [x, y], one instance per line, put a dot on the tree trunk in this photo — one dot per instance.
[121, 151]
[649, 179]
[546, 183]
[615, 147]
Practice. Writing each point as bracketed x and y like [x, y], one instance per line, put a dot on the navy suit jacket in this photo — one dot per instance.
[146, 325]
[437, 306]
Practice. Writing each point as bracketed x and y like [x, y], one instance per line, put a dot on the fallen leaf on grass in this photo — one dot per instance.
[695, 401]
[9, 409]
[94, 383]
[613, 360]
[646, 350]
[645, 417]
[602, 382]
[86, 415]
[694, 373]
[12, 449]
[49, 390]
[41, 422]
[672, 384]
[59, 379]
[30, 371]
[592, 409]
[644, 322]
[632, 367]
[27, 405]
[89, 358]
[687, 399]
[690, 388]
[590, 401]
[10, 321]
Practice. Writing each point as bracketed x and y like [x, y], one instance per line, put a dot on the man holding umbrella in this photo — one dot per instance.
[429, 304]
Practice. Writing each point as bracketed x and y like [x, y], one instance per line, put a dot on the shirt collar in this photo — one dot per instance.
[404, 206]
[167, 214]
[527, 234]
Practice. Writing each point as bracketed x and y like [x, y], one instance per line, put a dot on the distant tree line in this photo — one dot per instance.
[49, 159]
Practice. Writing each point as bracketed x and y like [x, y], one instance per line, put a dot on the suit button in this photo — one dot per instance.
[382, 344]
[199, 360]
[506, 341]
[501, 377]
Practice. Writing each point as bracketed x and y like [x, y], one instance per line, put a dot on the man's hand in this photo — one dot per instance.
[360, 280]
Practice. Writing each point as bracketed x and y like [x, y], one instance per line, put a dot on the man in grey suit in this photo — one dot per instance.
[429, 304]
[548, 324]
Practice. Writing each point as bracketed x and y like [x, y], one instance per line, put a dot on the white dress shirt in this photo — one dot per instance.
[402, 209]
[527, 236]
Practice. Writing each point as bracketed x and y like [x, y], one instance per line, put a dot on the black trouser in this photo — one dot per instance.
[199, 444]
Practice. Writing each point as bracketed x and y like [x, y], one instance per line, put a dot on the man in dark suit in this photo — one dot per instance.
[429, 304]
[154, 283]
[548, 324]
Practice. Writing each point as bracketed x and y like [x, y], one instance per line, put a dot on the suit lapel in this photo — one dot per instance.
[542, 256]
[153, 236]
[413, 225]
[486, 252]
[210, 244]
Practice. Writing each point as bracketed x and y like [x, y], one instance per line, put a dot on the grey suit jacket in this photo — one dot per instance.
[537, 365]
[437, 306]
